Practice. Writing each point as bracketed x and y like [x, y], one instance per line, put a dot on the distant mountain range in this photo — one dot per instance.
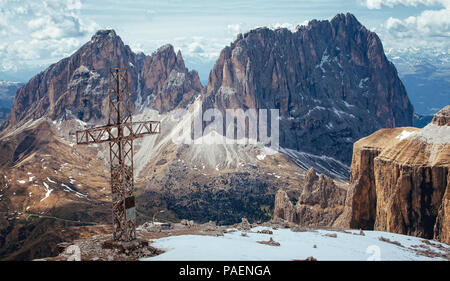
[426, 75]
[7, 92]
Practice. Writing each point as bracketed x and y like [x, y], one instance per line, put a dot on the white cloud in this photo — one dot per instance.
[37, 32]
[430, 28]
[234, 28]
[377, 4]
[200, 47]
[287, 25]
[429, 23]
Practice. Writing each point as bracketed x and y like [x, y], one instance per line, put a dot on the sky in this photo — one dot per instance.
[37, 33]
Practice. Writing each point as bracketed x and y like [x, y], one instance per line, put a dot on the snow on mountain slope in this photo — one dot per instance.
[322, 164]
[349, 245]
[214, 151]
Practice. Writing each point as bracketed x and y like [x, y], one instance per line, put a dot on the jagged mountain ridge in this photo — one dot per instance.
[76, 87]
[330, 79]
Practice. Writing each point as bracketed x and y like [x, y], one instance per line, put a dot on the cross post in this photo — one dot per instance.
[120, 133]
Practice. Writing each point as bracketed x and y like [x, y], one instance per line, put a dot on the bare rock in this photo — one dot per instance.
[283, 208]
[291, 70]
[320, 202]
[442, 118]
[400, 179]
[210, 226]
[271, 242]
[244, 225]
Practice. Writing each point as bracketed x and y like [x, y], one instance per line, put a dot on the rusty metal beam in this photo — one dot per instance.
[110, 132]
[120, 134]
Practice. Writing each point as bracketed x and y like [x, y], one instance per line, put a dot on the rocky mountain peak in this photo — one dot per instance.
[76, 87]
[442, 118]
[168, 82]
[180, 60]
[347, 19]
[311, 175]
[330, 80]
[103, 34]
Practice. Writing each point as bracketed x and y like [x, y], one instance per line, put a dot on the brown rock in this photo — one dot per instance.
[265, 231]
[442, 118]
[271, 242]
[399, 181]
[442, 226]
[283, 208]
[320, 202]
[244, 225]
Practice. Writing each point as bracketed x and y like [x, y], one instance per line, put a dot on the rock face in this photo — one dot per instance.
[77, 86]
[330, 80]
[283, 207]
[167, 81]
[320, 202]
[442, 226]
[400, 179]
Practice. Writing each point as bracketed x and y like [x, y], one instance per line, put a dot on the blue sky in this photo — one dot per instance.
[37, 33]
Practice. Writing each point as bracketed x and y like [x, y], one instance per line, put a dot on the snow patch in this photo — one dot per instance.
[48, 191]
[434, 134]
[404, 135]
[314, 109]
[50, 180]
[321, 163]
[325, 59]
[293, 245]
[78, 194]
[362, 82]
[339, 113]
[260, 157]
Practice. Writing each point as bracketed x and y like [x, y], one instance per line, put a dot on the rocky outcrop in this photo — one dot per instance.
[399, 180]
[283, 207]
[330, 80]
[77, 87]
[167, 81]
[442, 118]
[320, 202]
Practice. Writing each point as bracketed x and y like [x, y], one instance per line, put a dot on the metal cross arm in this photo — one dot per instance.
[110, 133]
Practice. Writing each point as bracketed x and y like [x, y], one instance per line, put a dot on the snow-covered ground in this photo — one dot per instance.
[293, 245]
